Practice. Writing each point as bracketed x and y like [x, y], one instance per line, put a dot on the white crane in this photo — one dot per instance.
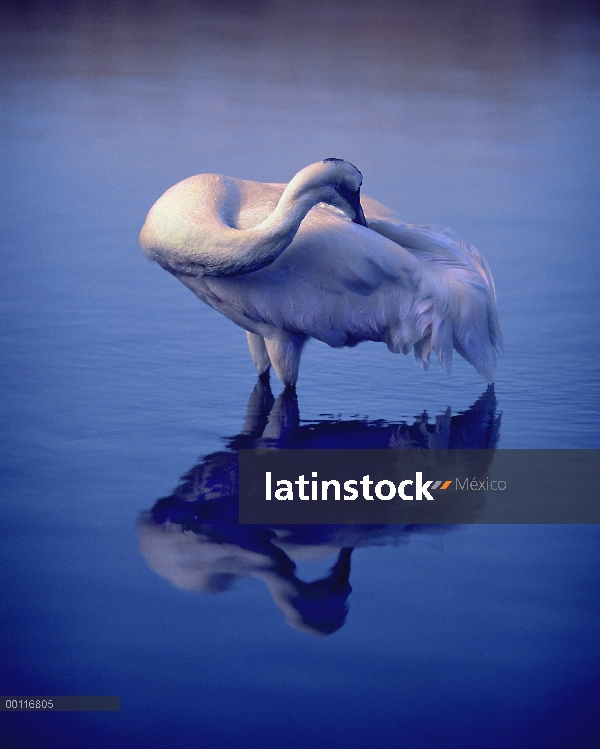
[298, 261]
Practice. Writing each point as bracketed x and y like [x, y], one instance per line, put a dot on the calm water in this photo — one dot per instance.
[117, 381]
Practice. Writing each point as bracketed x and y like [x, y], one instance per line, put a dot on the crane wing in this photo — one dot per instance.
[416, 288]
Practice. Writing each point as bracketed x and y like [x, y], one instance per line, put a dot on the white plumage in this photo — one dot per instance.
[288, 263]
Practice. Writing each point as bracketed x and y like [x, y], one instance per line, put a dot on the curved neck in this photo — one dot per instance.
[187, 232]
[243, 251]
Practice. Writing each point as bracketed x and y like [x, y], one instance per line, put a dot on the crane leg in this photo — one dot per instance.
[258, 351]
[285, 350]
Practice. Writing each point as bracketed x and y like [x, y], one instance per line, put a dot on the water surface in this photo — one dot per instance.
[116, 380]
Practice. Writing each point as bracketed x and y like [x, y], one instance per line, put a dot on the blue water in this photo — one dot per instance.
[117, 381]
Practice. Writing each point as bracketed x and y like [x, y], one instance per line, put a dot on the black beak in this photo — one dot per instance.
[360, 216]
[353, 201]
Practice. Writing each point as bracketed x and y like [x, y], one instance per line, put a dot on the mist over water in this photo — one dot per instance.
[116, 379]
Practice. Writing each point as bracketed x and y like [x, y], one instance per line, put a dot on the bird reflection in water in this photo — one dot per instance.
[193, 539]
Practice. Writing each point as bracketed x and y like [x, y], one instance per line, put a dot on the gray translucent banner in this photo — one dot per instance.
[62, 703]
[418, 486]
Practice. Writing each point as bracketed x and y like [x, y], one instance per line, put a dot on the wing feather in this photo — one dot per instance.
[411, 287]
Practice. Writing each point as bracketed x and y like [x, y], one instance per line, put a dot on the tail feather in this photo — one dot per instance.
[442, 343]
[463, 315]
[423, 352]
[474, 340]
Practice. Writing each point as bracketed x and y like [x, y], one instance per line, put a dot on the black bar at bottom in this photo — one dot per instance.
[38, 704]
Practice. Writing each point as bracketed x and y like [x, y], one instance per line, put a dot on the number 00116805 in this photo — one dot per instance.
[32, 704]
